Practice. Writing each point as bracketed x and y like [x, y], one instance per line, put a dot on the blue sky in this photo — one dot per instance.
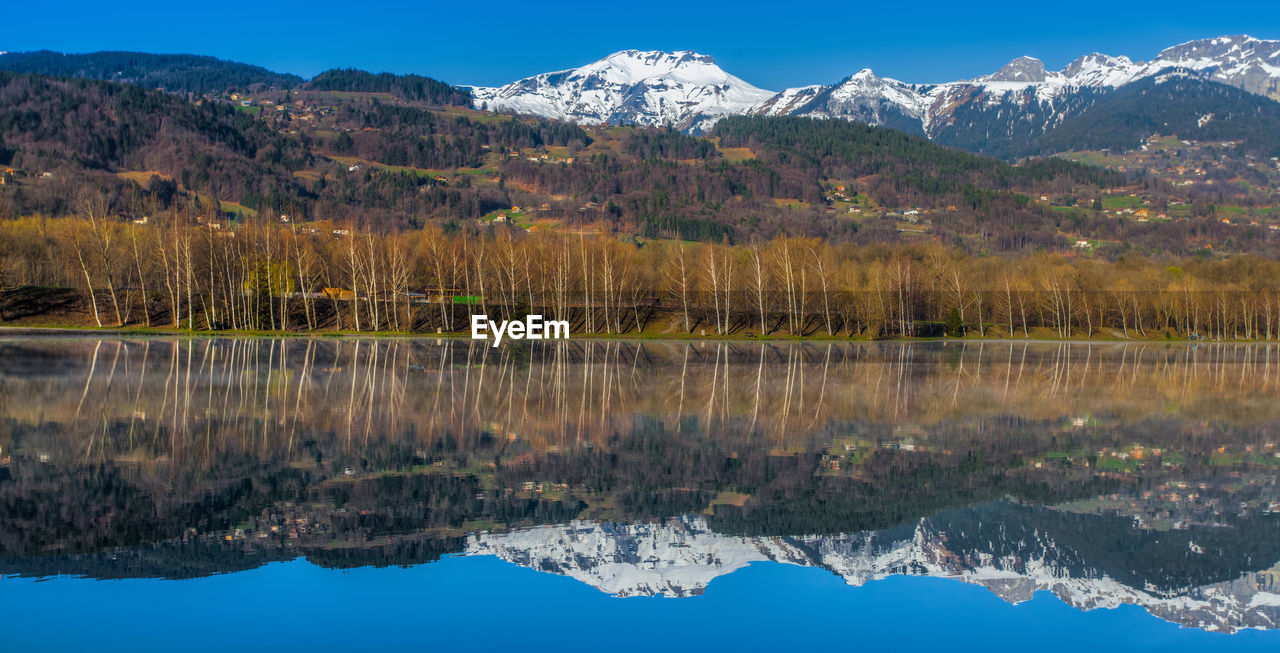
[771, 44]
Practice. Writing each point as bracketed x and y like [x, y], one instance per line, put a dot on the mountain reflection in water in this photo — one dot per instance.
[1105, 474]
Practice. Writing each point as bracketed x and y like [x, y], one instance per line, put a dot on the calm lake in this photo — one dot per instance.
[347, 494]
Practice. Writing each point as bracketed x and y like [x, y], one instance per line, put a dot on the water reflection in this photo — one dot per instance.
[1135, 473]
[1014, 551]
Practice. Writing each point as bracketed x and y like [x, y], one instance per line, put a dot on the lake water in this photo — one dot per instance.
[344, 494]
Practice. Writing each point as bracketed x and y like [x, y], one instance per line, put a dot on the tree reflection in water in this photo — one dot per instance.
[1139, 473]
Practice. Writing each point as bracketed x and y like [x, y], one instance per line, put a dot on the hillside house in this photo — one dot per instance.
[341, 294]
[440, 295]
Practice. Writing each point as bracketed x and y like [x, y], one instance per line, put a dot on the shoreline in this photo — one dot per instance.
[151, 332]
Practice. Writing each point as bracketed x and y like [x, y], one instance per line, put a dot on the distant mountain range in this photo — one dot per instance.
[1004, 113]
[1230, 82]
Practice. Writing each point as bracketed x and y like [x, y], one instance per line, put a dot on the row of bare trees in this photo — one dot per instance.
[186, 272]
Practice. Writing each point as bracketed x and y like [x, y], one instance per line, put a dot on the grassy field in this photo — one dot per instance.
[788, 203]
[1114, 202]
[472, 114]
[1088, 158]
[521, 219]
[141, 177]
[348, 95]
[236, 207]
[351, 160]
[737, 154]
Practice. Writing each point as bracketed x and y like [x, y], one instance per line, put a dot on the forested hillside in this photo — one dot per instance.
[841, 149]
[392, 152]
[149, 147]
[74, 133]
[176, 73]
[405, 87]
[417, 157]
[1186, 106]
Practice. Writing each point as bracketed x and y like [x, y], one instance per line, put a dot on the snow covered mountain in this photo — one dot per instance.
[685, 90]
[1247, 63]
[690, 92]
[1023, 90]
[680, 557]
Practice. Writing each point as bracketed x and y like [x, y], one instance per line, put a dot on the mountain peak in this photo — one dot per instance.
[658, 59]
[682, 89]
[1099, 59]
[676, 56]
[1218, 41]
[1022, 69]
[1238, 60]
[639, 65]
[1097, 69]
[1234, 44]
